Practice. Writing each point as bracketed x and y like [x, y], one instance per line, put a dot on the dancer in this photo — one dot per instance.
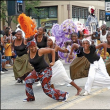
[98, 75]
[21, 65]
[80, 65]
[74, 39]
[59, 75]
[41, 41]
[43, 74]
[108, 50]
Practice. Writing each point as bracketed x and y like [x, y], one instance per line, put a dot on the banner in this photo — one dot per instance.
[48, 23]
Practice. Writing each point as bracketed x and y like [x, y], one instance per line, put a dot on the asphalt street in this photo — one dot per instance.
[12, 95]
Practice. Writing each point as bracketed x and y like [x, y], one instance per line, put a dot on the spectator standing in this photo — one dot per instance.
[8, 52]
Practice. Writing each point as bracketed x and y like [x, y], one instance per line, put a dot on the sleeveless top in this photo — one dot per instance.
[43, 43]
[38, 62]
[92, 56]
[108, 50]
[20, 50]
[103, 37]
[50, 56]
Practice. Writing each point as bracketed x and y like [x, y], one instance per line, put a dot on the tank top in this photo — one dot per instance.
[43, 43]
[20, 50]
[103, 37]
[50, 56]
[38, 62]
[108, 50]
[92, 56]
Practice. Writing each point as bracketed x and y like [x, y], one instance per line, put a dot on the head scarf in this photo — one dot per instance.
[31, 43]
[86, 40]
[52, 38]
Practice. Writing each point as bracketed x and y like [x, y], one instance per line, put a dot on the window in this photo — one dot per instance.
[44, 12]
[79, 12]
[101, 14]
[52, 12]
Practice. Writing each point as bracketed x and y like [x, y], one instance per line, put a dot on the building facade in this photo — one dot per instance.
[57, 11]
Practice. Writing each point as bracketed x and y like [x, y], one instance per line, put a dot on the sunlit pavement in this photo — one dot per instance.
[12, 95]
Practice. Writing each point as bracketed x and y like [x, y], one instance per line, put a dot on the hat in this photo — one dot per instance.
[52, 38]
[86, 40]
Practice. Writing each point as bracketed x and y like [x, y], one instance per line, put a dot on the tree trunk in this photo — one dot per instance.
[9, 21]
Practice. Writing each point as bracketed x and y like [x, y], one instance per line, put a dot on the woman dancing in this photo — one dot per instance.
[59, 75]
[43, 74]
[98, 75]
[80, 65]
[21, 65]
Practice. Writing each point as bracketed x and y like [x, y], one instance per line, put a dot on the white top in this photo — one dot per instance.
[23, 34]
[103, 37]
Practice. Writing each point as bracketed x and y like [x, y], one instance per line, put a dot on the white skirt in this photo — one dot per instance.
[59, 75]
[98, 76]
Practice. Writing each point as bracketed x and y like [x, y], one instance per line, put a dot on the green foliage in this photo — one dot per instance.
[31, 5]
[28, 5]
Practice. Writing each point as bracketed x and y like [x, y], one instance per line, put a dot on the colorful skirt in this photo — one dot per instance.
[79, 68]
[22, 66]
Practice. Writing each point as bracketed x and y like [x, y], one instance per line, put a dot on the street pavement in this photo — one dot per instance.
[12, 95]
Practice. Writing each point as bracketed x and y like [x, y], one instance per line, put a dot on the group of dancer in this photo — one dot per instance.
[38, 60]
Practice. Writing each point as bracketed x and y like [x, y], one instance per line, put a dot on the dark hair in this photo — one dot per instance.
[7, 31]
[44, 30]
[13, 33]
[107, 28]
[74, 33]
[78, 34]
[108, 34]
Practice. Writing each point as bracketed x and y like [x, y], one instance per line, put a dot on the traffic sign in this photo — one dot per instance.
[107, 10]
[107, 6]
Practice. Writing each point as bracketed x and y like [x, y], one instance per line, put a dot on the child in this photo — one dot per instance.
[8, 52]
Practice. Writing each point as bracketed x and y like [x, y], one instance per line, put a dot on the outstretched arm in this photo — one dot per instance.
[104, 45]
[74, 47]
[43, 51]
[62, 50]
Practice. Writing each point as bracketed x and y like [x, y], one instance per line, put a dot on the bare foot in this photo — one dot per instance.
[79, 91]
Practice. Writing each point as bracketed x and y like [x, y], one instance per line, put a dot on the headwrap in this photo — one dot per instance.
[31, 43]
[91, 9]
[52, 38]
[86, 40]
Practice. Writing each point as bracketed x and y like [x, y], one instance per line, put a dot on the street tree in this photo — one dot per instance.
[28, 5]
